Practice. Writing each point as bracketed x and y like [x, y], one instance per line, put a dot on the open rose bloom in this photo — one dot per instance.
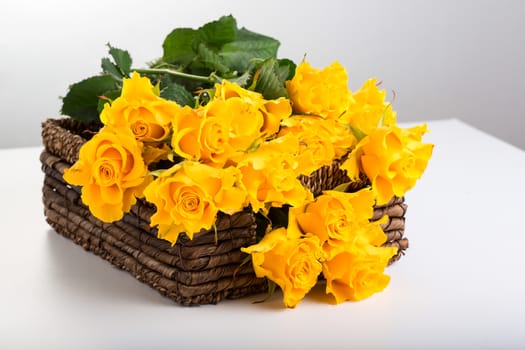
[238, 149]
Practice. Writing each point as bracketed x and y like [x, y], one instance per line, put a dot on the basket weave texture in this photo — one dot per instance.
[204, 270]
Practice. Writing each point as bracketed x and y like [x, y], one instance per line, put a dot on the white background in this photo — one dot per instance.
[460, 59]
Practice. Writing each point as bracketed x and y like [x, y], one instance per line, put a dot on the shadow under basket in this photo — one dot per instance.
[204, 270]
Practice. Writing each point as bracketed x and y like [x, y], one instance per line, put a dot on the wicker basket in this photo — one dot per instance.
[204, 270]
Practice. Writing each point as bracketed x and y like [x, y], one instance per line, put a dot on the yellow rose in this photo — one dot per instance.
[291, 261]
[189, 195]
[235, 121]
[111, 172]
[352, 259]
[337, 217]
[269, 175]
[218, 138]
[356, 276]
[141, 110]
[320, 92]
[392, 158]
[368, 109]
[217, 133]
[243, 118]
[320, 140]
[186, 132]
[226, 90]
[274, 112]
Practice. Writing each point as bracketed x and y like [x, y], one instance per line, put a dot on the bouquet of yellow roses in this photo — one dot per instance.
[220, 124]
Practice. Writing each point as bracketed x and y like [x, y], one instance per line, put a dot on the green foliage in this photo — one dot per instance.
[272, 77]
[358, 133]
[217, 33]
[192, 60]
[122, 60]
[178, 46]
[212, 60]
[177, 93]
[120, 67]
[219, 47]
[247, 47]
[81, 102]
[107, 97]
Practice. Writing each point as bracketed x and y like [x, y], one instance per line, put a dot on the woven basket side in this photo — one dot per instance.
[188, 283]
[394, 228]
[64, 137]
[329, 177]
[324, 178]
[236, 283]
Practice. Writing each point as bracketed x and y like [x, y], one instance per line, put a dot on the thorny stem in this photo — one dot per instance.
[212, 78]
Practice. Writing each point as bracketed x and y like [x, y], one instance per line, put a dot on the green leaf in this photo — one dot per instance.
[111, 69]
[178, 46]
[120, 67]
[248, 46]
[217, 33]
[286, 68]
[122, 60]
[358, 133]
[244, 34]
[156, 88]
[107, 97]
[342, 187]
[271, 81]
[81, 101]
[177, 93]
[157, 173]
[271, 287]
[243, 79]
[211, 60]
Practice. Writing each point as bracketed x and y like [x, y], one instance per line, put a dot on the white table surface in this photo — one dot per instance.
[460, 286]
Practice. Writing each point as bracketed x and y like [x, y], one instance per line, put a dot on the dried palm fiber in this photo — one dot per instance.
[204, 270]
